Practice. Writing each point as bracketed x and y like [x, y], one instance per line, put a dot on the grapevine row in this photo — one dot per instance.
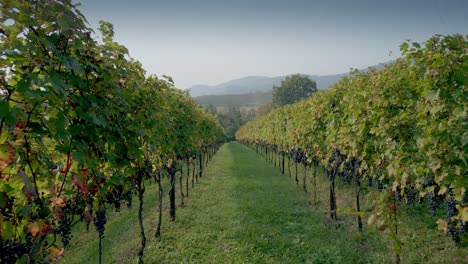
[404, 128]
[81, 126]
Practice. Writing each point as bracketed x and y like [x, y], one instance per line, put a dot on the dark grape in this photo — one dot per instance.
[299, 156]
[100, 221]
[411, 194]
[64, 229]
[453, 232]
[128, 199]
[369, 181]
[451, 208]
[398, 193]
[347, 173]
[378, 185]
[428, 181]
[12, 251]
[432, 202]
[115, 196]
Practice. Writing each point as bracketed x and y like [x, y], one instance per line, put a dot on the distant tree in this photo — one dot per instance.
[231, 120]
[292, 89]
[211, 109]
[249, 114]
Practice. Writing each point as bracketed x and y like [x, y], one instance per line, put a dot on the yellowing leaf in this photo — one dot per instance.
[382, 225]
[170, 162]
[57, 202]
[371, 219]
[34, 228]
[463, 212]
[442, 225]
[3, 135]
[55, 252]
[39, 227]
[443, 190]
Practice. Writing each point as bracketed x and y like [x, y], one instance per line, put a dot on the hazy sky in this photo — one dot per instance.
[212, 41]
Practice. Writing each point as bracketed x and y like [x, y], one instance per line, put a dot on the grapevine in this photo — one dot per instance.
[79, 119]
[404, 125]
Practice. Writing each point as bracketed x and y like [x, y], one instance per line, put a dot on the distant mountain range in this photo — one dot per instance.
[254, 84]
[247, 99]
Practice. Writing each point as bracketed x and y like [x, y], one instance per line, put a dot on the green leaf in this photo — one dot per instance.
[8, 229]
[23, 86]
[4, 108]
[8, 188]
[80, 157]
[404, 48]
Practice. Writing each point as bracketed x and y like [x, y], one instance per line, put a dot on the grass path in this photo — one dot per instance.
[242, 211]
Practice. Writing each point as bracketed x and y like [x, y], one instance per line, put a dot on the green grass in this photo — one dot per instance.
[242, 211]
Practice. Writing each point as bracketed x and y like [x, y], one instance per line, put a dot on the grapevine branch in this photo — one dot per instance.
[28, 159]
[67, 169]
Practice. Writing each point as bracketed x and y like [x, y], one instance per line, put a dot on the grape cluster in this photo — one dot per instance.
[347, 173]
[451, 206]
[115, 196]
[369, 181]
[428, 182]
[398, 193]
[350, 170]
[432, 202]
[378, 185]
[100, 221]
[299, 156]
[453, 232]
[12, 251]
[411, 194]
[127, 197]
[64, 229]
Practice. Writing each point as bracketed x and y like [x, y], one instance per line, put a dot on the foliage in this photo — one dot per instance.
[406, 125]
[78, 120]
[293, 88]
[231, 120]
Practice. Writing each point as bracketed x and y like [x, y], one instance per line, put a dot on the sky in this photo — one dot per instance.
[214, 41]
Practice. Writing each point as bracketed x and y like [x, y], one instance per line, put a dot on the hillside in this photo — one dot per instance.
[253, 84]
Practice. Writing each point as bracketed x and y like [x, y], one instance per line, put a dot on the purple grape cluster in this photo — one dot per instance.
[100, 221]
